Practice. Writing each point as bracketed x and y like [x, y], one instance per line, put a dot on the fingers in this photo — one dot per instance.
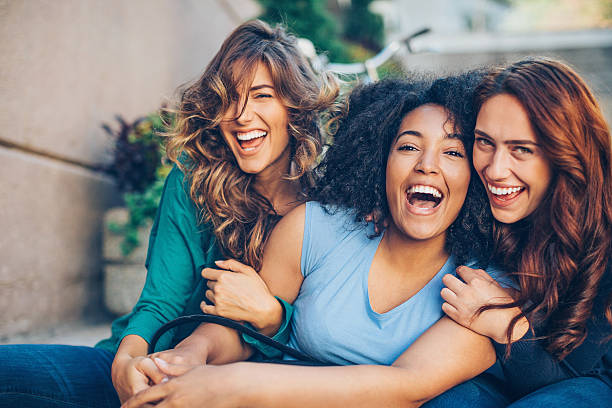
[210, 295]
[212, 274]
[148, 368]
[450, 311]
[449, 296]
[235, 266]
[208, 309]
[211, 284]
[453, 283]
[468, 274]
[150, 395]
[173, 370]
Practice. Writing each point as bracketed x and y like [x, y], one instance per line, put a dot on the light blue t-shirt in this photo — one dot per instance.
[333, 320]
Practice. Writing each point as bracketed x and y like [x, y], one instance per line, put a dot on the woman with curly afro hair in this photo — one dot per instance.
[366, 294]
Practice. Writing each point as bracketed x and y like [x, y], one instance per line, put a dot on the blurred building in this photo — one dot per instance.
[67, 67]
[473, 33]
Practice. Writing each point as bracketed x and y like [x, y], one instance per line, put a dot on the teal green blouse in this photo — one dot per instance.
[179, 247]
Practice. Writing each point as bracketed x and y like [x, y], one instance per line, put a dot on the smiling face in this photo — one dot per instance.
[508, 159]
[427, 175]
[255, 127]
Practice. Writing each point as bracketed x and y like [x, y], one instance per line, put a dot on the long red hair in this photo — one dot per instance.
[560, 252]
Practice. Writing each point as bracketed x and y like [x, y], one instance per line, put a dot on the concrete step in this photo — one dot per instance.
[76, 333]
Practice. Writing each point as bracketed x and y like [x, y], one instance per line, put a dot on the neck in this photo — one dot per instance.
[273, 185]
[413, 256]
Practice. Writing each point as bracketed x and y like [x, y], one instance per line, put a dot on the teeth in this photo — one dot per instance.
[253, 134]
[425, 190]
[503, 191]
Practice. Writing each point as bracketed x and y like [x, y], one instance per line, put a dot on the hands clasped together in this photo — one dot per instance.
[173, 377]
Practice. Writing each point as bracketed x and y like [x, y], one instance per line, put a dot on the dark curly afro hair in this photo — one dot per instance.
[352, 173]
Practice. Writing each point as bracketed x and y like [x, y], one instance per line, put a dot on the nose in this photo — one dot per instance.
[244, 113]
[428, 163]
[499, 166]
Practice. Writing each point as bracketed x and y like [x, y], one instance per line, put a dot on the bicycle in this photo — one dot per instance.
[367, 69]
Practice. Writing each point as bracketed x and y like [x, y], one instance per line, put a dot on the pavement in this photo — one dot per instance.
[77, 333]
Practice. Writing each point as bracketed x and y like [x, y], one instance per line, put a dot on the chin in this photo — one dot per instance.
[419, 234]
[251, 168]
[507, 217]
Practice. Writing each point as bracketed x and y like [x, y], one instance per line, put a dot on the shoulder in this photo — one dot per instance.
[177, 180]
[328, 218]
[176, 191]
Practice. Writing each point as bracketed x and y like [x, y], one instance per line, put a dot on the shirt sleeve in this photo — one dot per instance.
[177, 247]
[529, 366]
[282, 336]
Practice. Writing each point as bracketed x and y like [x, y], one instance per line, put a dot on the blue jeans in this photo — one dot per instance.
[481, 392]
[484, 391]
[577, 392]
[40, 375]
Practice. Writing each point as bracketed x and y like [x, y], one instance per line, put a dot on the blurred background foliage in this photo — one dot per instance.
[347, 32]
[139, 167]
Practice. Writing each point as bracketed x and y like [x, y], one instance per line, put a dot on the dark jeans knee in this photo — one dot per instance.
[39, 375]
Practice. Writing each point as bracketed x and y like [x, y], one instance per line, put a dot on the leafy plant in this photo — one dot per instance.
[364, 27]
[140, 170]
[309, 19]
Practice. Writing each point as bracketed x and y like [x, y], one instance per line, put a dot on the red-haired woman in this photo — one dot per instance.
[542, 150]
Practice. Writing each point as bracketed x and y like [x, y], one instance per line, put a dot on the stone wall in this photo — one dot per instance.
[67, 67]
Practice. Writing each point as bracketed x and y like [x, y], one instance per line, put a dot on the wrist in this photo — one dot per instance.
[195, 345]
[518, 331]
[271, 319]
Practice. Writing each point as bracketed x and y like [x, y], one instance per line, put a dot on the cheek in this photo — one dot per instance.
[393, 179]
[479, 159]
[459, 183]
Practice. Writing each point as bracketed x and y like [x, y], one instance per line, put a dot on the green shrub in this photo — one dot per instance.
[140, 168]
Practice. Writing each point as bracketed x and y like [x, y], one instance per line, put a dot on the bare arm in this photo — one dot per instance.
[214, 344]
[442, 357]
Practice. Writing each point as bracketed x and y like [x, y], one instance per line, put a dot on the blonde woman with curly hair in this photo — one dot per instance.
[246, 137]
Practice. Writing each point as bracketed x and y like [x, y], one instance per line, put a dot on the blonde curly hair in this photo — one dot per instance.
[241, 216]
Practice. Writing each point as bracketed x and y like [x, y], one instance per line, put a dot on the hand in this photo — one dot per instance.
[464, 300]
[131, 375]
[210, 386]
[184, 355]
[238, 293]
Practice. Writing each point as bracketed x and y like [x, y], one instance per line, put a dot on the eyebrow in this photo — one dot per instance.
[258, 87]
[510, 142]
[419, 134]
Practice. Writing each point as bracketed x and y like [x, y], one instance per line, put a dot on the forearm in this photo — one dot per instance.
[131, 346]
[215, 344]
[356, 386]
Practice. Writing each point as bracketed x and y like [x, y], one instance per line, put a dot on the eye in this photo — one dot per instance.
[483, 142]
[407, 147]
[262, 96]
[455, 153]
[522, 150]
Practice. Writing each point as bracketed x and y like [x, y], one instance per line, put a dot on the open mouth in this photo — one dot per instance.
[504, 193]
[424, 197]
[249, 141]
